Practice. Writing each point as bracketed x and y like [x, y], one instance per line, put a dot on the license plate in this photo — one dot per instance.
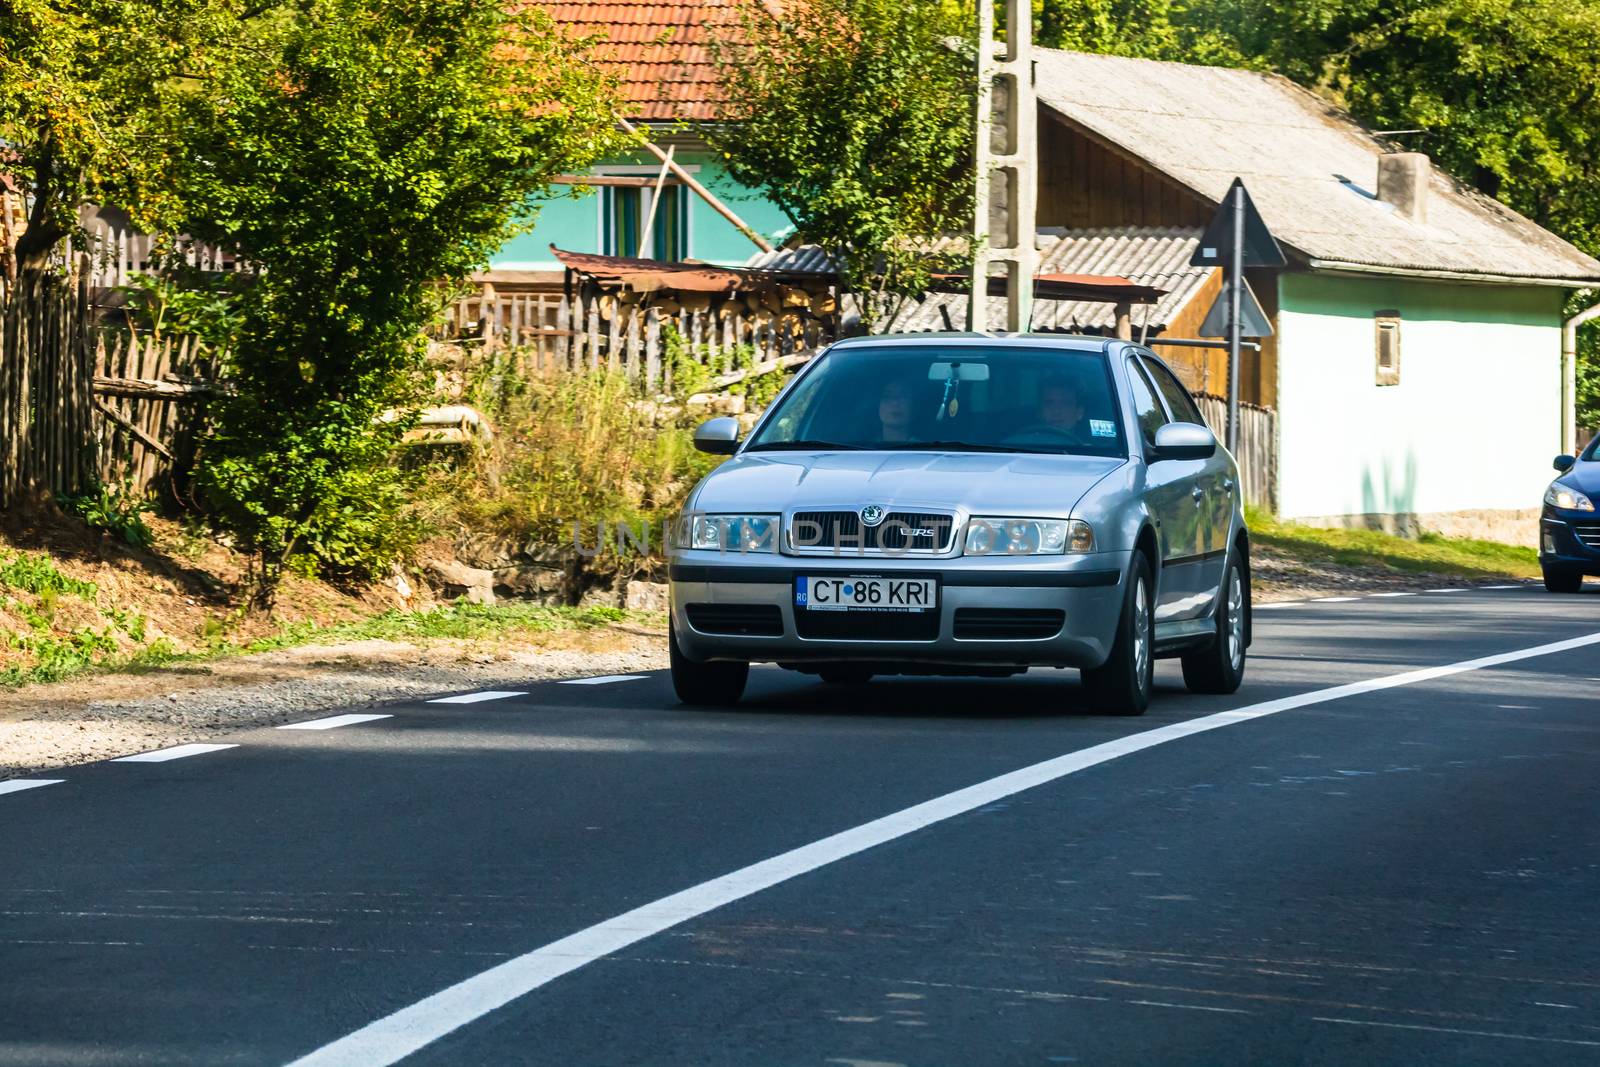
[852, 593]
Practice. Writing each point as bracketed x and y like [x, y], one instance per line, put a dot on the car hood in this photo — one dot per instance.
[977, 482]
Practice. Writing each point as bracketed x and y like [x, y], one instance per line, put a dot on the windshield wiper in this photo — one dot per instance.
[803, 446]
[943, 446]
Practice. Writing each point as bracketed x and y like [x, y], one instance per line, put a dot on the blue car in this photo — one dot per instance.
[1569, 528]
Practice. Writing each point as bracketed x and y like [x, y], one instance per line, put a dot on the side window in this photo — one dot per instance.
[1179, 402]
[1146, 409]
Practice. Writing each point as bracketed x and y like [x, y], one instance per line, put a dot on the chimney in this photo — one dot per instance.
[1403, 182]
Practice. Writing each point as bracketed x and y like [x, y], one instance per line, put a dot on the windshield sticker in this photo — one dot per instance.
[1102, 427]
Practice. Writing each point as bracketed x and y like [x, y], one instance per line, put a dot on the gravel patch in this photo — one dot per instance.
[105, 716]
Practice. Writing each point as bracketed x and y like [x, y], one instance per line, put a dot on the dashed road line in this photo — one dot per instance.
[1453, 589]
[333, 722]
[1376, 595]
[478, 698]
[1502, 587]
[17, 785]
[603, 679]
[1333, 599]
[162, 755]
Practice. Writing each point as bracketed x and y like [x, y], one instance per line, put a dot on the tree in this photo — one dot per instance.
[79, 80]
[362, 155]
[855, 116]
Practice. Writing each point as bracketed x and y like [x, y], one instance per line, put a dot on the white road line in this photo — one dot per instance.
[1376, 595]
[162, 755]
[1276, 604]
[603, 679]
[396, 1036]
[1502, 587]
[1451, 1030]
[332, 722]
[1452, 589]
[1333, 599]
[17, 785]
[478, 698]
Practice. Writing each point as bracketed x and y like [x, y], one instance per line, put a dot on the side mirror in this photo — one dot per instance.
[720, 437]
[1564, 462]
[1183, 440]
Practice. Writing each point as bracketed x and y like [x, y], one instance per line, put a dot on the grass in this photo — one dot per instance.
[32, 589]
[1370, 549]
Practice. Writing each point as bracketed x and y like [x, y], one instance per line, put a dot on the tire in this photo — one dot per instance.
[705, 683]
[1562, 580]
[845, 674]
[1219, 667]
[1121, 686]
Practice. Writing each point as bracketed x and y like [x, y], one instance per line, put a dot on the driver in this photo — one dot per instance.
[894, 411]
[1060, 409]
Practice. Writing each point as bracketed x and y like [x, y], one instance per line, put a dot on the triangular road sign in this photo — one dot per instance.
[1253, 322]
[1216, 244]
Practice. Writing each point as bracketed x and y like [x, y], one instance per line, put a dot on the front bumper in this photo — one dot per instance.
[1087, 590]
[1570, 539]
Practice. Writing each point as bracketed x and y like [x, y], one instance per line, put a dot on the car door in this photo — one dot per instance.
[1175, 499]
[1215, 480]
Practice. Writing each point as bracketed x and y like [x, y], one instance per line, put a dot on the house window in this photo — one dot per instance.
[1387, 345]
[625, 217]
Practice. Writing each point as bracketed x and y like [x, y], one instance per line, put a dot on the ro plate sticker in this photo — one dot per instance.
[800, 592]
[1102, 428]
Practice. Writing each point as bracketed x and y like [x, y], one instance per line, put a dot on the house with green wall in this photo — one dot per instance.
[659, 54]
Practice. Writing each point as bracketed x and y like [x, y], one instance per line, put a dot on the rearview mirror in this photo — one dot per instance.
[961, 372]
[720, 437]
[1183, 440]
[1564, 462]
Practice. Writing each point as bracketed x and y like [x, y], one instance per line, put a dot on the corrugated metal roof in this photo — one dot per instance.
[1310, 168]
[659, 52]
[1153, 256]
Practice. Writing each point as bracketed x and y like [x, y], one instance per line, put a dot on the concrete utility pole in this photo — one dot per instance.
[1005, 167]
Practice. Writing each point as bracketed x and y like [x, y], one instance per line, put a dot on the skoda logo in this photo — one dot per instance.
[872, 514]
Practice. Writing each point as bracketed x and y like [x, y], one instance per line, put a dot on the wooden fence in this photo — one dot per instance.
[46, 403]
[627, 330]
[150, 403]
[1258, 447]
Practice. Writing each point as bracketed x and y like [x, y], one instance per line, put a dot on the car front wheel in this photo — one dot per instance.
[1219, 667]
[1562, 580]
[1121, 686]
[704, 683]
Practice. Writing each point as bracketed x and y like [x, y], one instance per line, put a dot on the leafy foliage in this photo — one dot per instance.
[358, 153]
[117, 510]
[851, 115]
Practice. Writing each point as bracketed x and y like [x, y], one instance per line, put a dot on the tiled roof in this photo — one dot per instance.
[1309, 167]
[659, 52]
[1153, 256]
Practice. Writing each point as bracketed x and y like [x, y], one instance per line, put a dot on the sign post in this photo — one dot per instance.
[1237, 237]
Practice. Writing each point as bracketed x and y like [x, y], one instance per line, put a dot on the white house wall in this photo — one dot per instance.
[1470, 429]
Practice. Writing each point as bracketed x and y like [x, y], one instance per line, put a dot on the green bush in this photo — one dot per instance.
[115, 509]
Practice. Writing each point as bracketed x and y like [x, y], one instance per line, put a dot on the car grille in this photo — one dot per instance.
[1007, 624]
[867, 625]
[843, 532]
[1588, 533]
[742, 620]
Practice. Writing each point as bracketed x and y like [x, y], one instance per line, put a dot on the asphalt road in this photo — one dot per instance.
[1404, 875]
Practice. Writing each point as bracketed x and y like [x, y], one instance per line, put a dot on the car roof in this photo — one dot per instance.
[1072, 342]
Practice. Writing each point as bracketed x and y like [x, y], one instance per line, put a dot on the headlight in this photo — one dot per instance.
[1564, 496]
[728, 533]
[1027, 537]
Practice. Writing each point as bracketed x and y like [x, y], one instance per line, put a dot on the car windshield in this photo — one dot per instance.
[950, 398]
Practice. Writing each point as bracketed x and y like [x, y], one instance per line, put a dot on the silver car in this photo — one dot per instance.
[966, 504]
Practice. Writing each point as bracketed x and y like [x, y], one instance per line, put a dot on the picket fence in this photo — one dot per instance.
[46, 402]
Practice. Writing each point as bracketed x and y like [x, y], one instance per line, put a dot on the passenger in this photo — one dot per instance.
[894, 411]
[1060, 409]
